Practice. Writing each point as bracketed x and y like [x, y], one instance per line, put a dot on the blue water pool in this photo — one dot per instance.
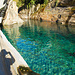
[48, 48]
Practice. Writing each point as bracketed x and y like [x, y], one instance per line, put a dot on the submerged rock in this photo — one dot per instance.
[11, 15]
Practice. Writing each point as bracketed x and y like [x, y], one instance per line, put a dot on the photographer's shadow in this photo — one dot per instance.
[7, 60]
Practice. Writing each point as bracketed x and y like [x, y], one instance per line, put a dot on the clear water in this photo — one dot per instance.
[49, 49]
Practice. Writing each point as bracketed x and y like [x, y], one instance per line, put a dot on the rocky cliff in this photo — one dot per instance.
[11, 15]
[62, 11]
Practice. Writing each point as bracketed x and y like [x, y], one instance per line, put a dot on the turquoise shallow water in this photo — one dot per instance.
[49, 49]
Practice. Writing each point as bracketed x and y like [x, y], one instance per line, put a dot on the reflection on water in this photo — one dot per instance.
[48, 48]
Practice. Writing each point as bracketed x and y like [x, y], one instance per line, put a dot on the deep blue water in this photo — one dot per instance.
[48, 48]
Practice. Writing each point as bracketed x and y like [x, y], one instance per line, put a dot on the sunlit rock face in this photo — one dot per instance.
[11, 16]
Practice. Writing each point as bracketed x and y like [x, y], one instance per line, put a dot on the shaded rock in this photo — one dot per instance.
[53, 4]
[11, 15]
[66, 3]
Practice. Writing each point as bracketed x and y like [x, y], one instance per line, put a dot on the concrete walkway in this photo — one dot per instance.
[7, 60]
[10, 59]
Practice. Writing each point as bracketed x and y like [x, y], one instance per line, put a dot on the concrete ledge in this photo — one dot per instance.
[6, 45]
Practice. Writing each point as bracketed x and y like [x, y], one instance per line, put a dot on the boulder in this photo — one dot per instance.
[11, 15]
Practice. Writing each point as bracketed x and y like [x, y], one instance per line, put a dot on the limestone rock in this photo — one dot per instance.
[11, 15]
[38, 6]
[32, 9]
[24, 14]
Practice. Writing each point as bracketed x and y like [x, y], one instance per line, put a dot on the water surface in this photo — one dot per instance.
[48, 48]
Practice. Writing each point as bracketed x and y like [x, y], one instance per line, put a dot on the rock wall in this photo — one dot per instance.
[11, 15]
[26, 13]
[58, 13]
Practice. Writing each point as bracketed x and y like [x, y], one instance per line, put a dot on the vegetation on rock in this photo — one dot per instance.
[30, 2]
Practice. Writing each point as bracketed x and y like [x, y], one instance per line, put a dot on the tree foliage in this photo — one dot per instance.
[30, 2]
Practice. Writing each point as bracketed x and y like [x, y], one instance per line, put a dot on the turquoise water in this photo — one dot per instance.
[48, 48]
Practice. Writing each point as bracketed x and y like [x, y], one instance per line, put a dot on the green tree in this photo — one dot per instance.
[45, 1]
